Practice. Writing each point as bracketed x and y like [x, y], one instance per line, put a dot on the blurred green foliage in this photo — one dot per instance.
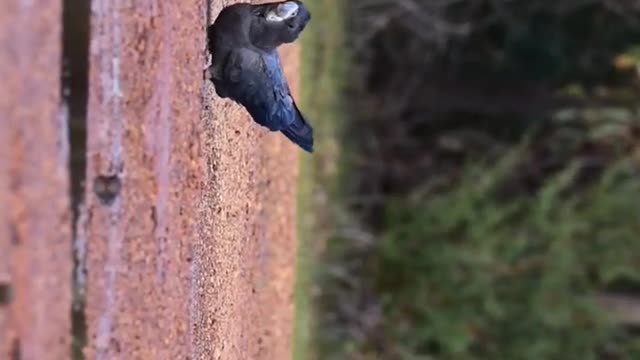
[462, 274]
[322, 77]
[476, 191]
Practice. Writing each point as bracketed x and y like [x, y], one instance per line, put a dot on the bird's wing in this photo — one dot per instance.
[285, 112]
[260, 86]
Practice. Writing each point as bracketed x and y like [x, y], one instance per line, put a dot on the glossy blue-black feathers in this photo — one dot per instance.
[246, 67]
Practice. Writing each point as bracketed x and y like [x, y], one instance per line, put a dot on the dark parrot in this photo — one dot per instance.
[246, 67]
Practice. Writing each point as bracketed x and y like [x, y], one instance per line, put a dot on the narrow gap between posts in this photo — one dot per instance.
[74, 81]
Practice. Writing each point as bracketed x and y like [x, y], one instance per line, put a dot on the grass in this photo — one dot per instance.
[322, 66]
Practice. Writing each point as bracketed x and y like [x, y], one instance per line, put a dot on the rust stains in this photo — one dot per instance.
[35, 245]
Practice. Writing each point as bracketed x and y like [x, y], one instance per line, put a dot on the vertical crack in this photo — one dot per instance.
[75, 74]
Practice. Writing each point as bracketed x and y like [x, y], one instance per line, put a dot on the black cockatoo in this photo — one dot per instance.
[246, 67]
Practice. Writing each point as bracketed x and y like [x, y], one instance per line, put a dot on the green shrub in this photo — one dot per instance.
[464, 274]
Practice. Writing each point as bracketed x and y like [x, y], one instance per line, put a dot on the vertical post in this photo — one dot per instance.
[35, 221]
[143, 176]
[189, 205]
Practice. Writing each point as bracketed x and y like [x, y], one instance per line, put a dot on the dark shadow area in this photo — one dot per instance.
[6, 293]
[75, 75]
[479, 76]
[15, 352]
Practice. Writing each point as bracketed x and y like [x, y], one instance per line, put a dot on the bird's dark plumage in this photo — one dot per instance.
[246, 67]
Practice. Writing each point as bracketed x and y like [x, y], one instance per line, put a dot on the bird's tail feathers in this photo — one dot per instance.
[300, 132]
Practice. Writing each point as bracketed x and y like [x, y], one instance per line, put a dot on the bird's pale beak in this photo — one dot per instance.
[287, 10]
[283, 12]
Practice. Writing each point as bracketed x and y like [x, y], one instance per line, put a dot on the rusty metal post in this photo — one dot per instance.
[35, 223]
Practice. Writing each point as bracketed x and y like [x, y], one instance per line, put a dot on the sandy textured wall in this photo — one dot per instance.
[190, 206]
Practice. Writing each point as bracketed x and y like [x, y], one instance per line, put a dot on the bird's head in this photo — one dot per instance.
[277, 23]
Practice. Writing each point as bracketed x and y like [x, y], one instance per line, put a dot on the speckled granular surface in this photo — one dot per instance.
[190, 210]
[251, 208]
[143, 177]
[248, 211]
[35, 223]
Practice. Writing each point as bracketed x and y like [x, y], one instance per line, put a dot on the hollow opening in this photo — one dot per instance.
[6, 293]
